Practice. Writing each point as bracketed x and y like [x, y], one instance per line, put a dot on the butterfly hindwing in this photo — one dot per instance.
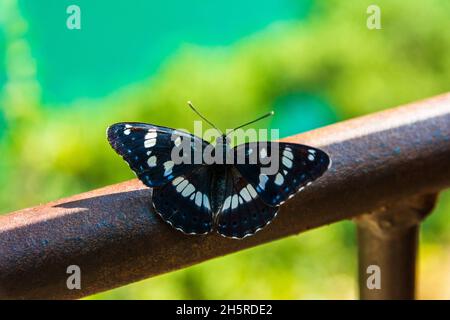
[185, 202]
[243, 212]
[148, 150]
[279, 169]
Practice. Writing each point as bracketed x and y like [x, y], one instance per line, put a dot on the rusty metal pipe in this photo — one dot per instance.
[115, 238]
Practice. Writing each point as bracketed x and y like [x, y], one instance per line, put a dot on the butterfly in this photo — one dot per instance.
[199, 187]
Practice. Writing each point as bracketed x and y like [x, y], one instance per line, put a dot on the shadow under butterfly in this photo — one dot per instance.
[233, 193]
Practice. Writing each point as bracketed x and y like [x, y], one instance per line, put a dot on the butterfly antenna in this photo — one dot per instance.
[200, 115]
[271, 113]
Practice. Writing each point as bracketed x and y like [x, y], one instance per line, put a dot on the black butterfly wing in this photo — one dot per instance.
[243, 212]
[278, 170]
[184, 203]
[149, 150]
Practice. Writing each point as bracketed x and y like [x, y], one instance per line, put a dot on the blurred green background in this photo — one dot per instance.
[314, 62]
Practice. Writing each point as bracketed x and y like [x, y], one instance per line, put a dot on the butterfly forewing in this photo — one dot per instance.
[149, 150]
[185, 202]
[281, 169]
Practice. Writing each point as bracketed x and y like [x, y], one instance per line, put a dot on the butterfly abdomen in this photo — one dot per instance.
[218, 186]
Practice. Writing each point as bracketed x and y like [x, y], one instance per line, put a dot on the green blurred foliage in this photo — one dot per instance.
[330, 61]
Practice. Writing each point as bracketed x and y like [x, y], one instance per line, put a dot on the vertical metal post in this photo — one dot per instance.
[387, 248]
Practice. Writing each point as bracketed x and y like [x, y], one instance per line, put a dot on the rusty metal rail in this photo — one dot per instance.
[379, 161]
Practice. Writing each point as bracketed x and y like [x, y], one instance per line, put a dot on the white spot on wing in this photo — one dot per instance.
[177, 180]
[127, 130]
[151, 161]
[263, 180]
[226, 203]
[234, 201]
[287, 162]
[198, 199]
[177, 142]
[149, 143]
[188, 190]
[279, 179]
[288, 154]
[150, 138]
[168, 166]
[246, 195]
[181, 186]
[310, 157]
[206, 201]
[151, 134]
[251, 190]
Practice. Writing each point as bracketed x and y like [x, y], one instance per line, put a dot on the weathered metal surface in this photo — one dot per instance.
[387, 241]
[115, 238]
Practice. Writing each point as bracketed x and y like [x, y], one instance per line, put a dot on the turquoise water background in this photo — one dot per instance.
[127, 41]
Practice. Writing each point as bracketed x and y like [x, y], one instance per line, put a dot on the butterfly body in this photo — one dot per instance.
[219, 186]
[199, 188]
